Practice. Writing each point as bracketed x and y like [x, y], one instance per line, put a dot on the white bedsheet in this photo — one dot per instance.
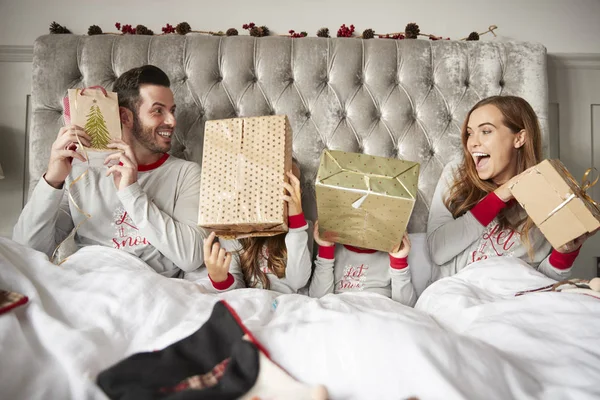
[468, 338]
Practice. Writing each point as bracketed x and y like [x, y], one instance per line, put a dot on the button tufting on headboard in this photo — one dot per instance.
[382, 97]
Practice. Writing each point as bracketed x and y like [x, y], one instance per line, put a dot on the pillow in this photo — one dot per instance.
[421, 267]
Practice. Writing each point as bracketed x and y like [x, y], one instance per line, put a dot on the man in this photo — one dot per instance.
[145, 203]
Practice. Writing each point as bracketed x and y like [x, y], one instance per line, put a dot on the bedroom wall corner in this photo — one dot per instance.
[574, 95]
[15, 86]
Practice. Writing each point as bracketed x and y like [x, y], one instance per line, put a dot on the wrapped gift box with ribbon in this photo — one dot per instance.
[558, 205]
[363, 200]
[243, 170]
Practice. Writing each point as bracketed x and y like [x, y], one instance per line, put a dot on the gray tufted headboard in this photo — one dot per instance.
[392, 98]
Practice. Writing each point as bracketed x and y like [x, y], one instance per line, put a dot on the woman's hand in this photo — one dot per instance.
[503, 192]
[575, 244]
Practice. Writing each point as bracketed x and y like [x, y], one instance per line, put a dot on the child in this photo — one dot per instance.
[280, 263]
[340, 269]
[473, 215]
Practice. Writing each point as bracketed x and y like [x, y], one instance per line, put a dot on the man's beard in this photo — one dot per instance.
[145, 136]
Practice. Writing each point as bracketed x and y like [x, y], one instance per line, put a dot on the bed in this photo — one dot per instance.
[468, 337]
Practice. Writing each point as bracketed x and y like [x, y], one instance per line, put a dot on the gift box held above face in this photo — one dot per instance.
[365, 201]
[560, 208]
[243, 170]
[97, 112]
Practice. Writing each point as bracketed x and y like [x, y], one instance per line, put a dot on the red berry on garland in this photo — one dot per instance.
[118, 25]
[168, 28]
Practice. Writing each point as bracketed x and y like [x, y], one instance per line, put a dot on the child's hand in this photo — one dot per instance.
[294, 199]
[403, 248]
[216, 259]
[318, 239]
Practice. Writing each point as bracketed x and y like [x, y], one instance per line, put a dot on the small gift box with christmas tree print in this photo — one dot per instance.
[97, 112]
[363, 200]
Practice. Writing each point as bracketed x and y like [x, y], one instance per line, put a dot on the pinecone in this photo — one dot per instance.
[265, 31]
[142, 30]
[323, 32]
[368, 34]
[57, 28]
[473, 36]
[412, 30]
[259, 31]
[256, 31]
[231, 32]
[183, 28]
[94, 30]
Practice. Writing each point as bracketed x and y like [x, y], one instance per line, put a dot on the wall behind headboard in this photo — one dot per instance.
[569, 30]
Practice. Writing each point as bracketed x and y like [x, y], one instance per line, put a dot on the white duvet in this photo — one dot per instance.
[469, 337]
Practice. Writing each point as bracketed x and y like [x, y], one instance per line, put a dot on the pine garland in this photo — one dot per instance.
[411, 31]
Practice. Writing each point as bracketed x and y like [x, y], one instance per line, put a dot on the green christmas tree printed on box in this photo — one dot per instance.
[95, 126]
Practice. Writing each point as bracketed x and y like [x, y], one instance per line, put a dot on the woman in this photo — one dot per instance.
[473, 214]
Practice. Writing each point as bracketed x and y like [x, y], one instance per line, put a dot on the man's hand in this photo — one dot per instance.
[125, 173]
[216, 259]
[63, 152]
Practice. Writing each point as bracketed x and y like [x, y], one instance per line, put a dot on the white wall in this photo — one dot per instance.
[563, 26]
[568, 27]
[575, 106]
[15, 84]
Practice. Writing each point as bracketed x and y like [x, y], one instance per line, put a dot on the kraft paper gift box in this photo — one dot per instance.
[555, 202]
[97, 112]
[363, 200]
[243, 170]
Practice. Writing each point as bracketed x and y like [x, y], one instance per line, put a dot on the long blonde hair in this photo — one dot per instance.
[468, 189]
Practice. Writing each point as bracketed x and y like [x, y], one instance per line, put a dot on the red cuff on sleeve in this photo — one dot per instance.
[327, 252]
[398, 263]
[226, 284]
[296, 221]
[488, 208]
[563, 261]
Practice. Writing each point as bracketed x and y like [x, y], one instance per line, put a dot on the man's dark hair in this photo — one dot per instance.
[127, 86]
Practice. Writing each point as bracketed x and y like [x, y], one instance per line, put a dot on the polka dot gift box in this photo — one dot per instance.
[243, 171]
